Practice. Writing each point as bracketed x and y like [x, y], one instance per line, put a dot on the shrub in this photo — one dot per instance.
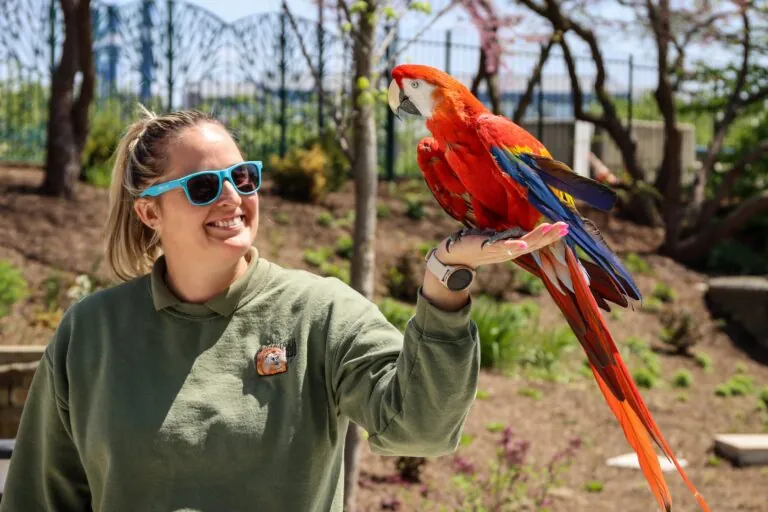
[738, 385]
[414, 206]
[644, 378]
[106, 127]
[682, 379]
[703, 360]
[344, 247]
[664, 293]
[300, 175]
[404, 278]
[13, 287]
[679, 331]
[500, 327]
[636, 264]
[325, 219]
[397, 313]
[337, 168]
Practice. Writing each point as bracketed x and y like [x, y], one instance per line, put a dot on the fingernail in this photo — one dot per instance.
[546, 229]
[522, 244]
[564, 231]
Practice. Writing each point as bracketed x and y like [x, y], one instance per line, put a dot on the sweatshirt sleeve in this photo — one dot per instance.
[45, 471]
[413, 392]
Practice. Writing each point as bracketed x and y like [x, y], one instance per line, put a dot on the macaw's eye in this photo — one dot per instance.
[415, 84]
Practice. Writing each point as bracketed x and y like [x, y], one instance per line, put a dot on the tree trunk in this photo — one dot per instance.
[67, 114]
[364, 170]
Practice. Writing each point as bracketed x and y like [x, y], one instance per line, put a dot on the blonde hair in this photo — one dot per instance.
[140, 161]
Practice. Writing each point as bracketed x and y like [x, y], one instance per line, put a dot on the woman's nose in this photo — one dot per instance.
[229, 194]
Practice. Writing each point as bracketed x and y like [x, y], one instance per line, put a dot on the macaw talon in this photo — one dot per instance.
[507, 234]
[455, 237]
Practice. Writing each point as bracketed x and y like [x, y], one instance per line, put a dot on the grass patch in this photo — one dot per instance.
[738, 385]
[396, 312]
[636, 264]
[703, 361]
[13, 286]
[530, 393]
[494, 426]
[593, 486]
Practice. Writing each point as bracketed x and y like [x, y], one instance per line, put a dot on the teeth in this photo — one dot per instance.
[228, 223]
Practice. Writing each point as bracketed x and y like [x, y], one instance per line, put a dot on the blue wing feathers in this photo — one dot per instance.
[545, 201]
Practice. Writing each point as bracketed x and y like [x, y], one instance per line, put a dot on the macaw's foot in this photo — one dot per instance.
[466, 232]
[508, 234]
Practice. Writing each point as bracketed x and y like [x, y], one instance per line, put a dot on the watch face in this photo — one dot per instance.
[459, 279]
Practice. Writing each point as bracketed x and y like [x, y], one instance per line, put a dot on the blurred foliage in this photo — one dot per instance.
[13, 286]
[396, 312]
[107, 126]
[301, 174]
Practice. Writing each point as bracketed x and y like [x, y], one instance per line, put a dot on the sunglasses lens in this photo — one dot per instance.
[203, 188]
[247, 178]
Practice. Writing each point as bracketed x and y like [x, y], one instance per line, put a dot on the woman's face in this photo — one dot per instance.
[219, 232]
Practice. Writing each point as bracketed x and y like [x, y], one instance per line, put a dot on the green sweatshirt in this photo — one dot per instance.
[144, 403]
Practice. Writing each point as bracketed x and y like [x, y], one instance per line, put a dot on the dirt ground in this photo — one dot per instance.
[52, 237]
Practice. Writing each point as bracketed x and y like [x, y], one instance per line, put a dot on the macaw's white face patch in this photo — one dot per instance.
[273, 359]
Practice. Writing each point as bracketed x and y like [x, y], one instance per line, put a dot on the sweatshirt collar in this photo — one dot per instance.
[223, 304]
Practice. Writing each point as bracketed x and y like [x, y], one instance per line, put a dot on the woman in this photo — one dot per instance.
[213, 379]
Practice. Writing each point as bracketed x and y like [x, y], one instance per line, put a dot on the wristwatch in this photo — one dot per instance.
[454, 277]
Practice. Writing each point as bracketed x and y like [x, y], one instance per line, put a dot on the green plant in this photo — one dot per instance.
[338, 271]
[703, 360]
[764, 396]
[494, 426]
[282, 219]
[499, 327]
[593, 486]
[397, 313]
[106, 127]
[13, 286]
[652, 305]
[636, 264]
[414, 206]
[325, 219]
[404, 277]
[529, 284]
[682, 379]
[513, 483]
[530, 393]
[382, 211]
[664, 293]
[301, 174]
[318, 256]
[738, 385]
[637, 346]
[644, 378]
[482, 394]
[680, 331]
[344, 246]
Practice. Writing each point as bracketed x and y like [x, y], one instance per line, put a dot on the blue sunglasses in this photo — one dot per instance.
[205, 187]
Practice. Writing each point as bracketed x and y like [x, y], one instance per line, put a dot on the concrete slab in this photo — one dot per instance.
[630, 461]
[743, 449]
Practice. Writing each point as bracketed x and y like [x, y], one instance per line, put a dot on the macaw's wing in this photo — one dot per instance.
[443, 182]
[519, 159]
[557, 175]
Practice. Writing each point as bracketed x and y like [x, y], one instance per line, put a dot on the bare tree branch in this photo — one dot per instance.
[525, 99]
[693, 247]
[722, 125]
[388, 40]
[736, 171]
[337, 116]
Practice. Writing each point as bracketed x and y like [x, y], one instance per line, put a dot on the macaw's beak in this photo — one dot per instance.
[399, 102]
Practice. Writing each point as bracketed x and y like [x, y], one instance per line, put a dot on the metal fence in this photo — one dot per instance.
[252, 74]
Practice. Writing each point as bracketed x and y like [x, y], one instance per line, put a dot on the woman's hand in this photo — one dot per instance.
[469, 250]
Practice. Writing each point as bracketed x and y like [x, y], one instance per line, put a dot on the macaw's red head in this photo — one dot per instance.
[421, 90]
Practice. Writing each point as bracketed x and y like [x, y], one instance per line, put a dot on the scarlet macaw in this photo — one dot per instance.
[493, 176]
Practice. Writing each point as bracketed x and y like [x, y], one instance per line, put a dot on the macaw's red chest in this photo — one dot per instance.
[498, 201]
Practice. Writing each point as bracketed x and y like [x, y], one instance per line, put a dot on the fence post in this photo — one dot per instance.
[389, 155]
[283, 92]
[147, 58]
[630, 99]
[320, 68]
[169, 54]
[52, 34]
[448, 34]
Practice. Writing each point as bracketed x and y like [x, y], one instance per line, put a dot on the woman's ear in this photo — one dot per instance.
[148, 212]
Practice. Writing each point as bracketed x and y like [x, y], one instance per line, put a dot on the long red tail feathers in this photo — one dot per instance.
[613, 378]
